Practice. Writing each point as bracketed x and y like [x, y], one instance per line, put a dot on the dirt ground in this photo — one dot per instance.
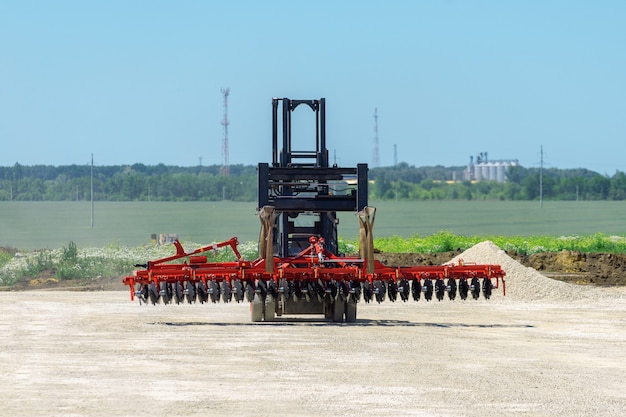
[548, 348]
[98, 354]
[569, 266]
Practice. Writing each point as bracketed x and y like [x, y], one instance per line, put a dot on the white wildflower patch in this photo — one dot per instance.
[111, 259]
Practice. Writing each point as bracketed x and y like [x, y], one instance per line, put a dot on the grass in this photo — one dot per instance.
[445, 241]
[40, 225]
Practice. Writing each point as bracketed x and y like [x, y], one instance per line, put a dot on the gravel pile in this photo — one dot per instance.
[527, 284]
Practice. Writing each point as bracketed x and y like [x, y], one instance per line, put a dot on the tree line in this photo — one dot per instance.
[140, 182]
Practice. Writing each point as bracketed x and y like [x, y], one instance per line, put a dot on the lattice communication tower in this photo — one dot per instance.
[225, 123]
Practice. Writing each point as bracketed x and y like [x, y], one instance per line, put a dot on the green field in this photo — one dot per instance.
[36, 225]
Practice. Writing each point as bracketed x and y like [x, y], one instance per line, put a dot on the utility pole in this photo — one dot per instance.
[541, 179]
[91, 190]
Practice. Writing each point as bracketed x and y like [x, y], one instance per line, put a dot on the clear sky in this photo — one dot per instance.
[139, 81]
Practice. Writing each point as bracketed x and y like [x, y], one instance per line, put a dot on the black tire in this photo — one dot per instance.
[351, 310]
[269, 310]
[339, 309]
[256, 310]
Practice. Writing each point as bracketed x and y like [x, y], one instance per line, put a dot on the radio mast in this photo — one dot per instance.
[225, 123]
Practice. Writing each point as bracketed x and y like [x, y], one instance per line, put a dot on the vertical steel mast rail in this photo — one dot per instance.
[300, 182]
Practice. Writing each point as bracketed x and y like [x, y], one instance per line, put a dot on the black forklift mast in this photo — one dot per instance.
[303, 190]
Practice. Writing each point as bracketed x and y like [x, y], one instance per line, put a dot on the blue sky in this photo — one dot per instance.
[139, 81]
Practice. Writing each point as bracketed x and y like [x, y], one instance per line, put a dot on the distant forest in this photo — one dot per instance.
[140, 182]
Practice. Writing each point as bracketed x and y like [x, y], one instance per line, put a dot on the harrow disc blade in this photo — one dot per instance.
[227, 293]
[379, 291]
[320, 291]
[487, 287]
[153, 293]
[416, 289]
[331, 289]
[272, 290]
[367, 292]
[452, 288]
[296, 288]
[427, 288]
[440, 289]
[190, 292]
[238, 290]
[203, 292]
[178, 292]
[475, 288]
[166, 292]
[342, 291]
[355, 291]
[142, 293]
[250, 291]
[392, 290]
[214, 291]
[463, 288]
[404, 289]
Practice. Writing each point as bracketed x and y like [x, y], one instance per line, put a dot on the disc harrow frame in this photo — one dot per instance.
[313, 274]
